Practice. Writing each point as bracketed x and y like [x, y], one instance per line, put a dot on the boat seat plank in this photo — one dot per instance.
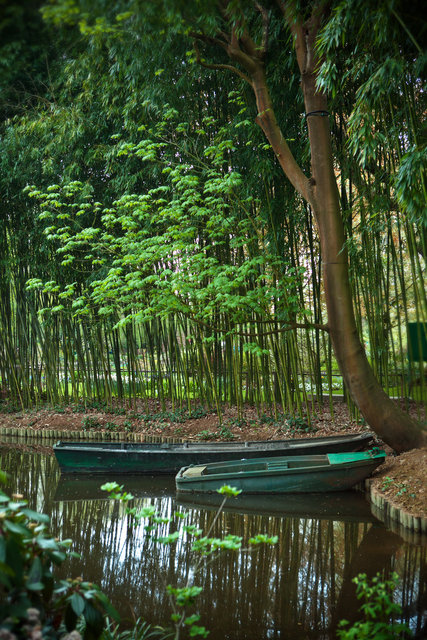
[280, 464]
[194, 471]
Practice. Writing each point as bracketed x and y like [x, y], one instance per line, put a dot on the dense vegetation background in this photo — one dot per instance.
[153, 240]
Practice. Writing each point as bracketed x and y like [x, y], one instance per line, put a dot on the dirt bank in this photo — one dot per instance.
[401, 479]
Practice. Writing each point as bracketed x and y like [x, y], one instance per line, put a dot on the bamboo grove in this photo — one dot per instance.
[150, 245]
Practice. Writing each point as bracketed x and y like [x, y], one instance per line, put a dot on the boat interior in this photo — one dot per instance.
[280, 463]
[264, 464]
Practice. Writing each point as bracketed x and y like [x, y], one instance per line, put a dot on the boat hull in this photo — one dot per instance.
[168, 458]
[301, 474]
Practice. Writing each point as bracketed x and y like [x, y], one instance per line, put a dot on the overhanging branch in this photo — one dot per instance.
[247, 334]
[209, 65]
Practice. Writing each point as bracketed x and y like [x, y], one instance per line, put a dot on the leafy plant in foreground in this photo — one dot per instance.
[31, 600]
[378, 610]
[141, 630]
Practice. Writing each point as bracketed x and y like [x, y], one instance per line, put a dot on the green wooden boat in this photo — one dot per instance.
[154, 458]
[299, 474]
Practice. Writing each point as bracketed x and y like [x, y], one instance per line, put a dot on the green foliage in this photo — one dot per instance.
[89, 423]
[160, 418]
[205, 548]
[145, 250]
[296, 424]
[263, 539]
[149, 207]
[378, 611]
[116, 492]
[111, 426]
[30, 597]
[141, 630]
[401, 488]
[226, 490]
[118, 411]
[410, 184]
[289, 423]
[384, 116]
[223, 432]
[386, 483]
[206, 435]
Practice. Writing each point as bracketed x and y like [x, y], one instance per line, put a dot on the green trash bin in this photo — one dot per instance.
[417, 341]
[417, 351]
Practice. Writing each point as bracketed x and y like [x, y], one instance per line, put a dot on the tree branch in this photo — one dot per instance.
[245, 334]
[290, 327]
[265, 24]
[242, 49]
[228, 67]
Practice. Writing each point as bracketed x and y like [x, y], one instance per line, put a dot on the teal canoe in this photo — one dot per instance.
[154, 458]
[284, 474]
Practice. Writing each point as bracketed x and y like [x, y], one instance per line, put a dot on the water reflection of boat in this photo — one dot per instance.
[86, 487]
[348, 506]
[345, 505]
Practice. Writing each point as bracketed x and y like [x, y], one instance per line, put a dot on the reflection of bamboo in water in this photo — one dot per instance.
[33, 475]
[332, 556]
[374, 554]
[413, 588]
[294, 598]
[308, 571]
[318, 576]
[243, 583]
[280, 588]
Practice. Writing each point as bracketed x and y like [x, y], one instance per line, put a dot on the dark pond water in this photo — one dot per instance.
[297, 589]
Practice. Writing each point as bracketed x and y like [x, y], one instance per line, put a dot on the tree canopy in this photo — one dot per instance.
[233, 188]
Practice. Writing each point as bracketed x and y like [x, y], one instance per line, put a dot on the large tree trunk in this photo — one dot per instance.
[383, 415]
[392, 424]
